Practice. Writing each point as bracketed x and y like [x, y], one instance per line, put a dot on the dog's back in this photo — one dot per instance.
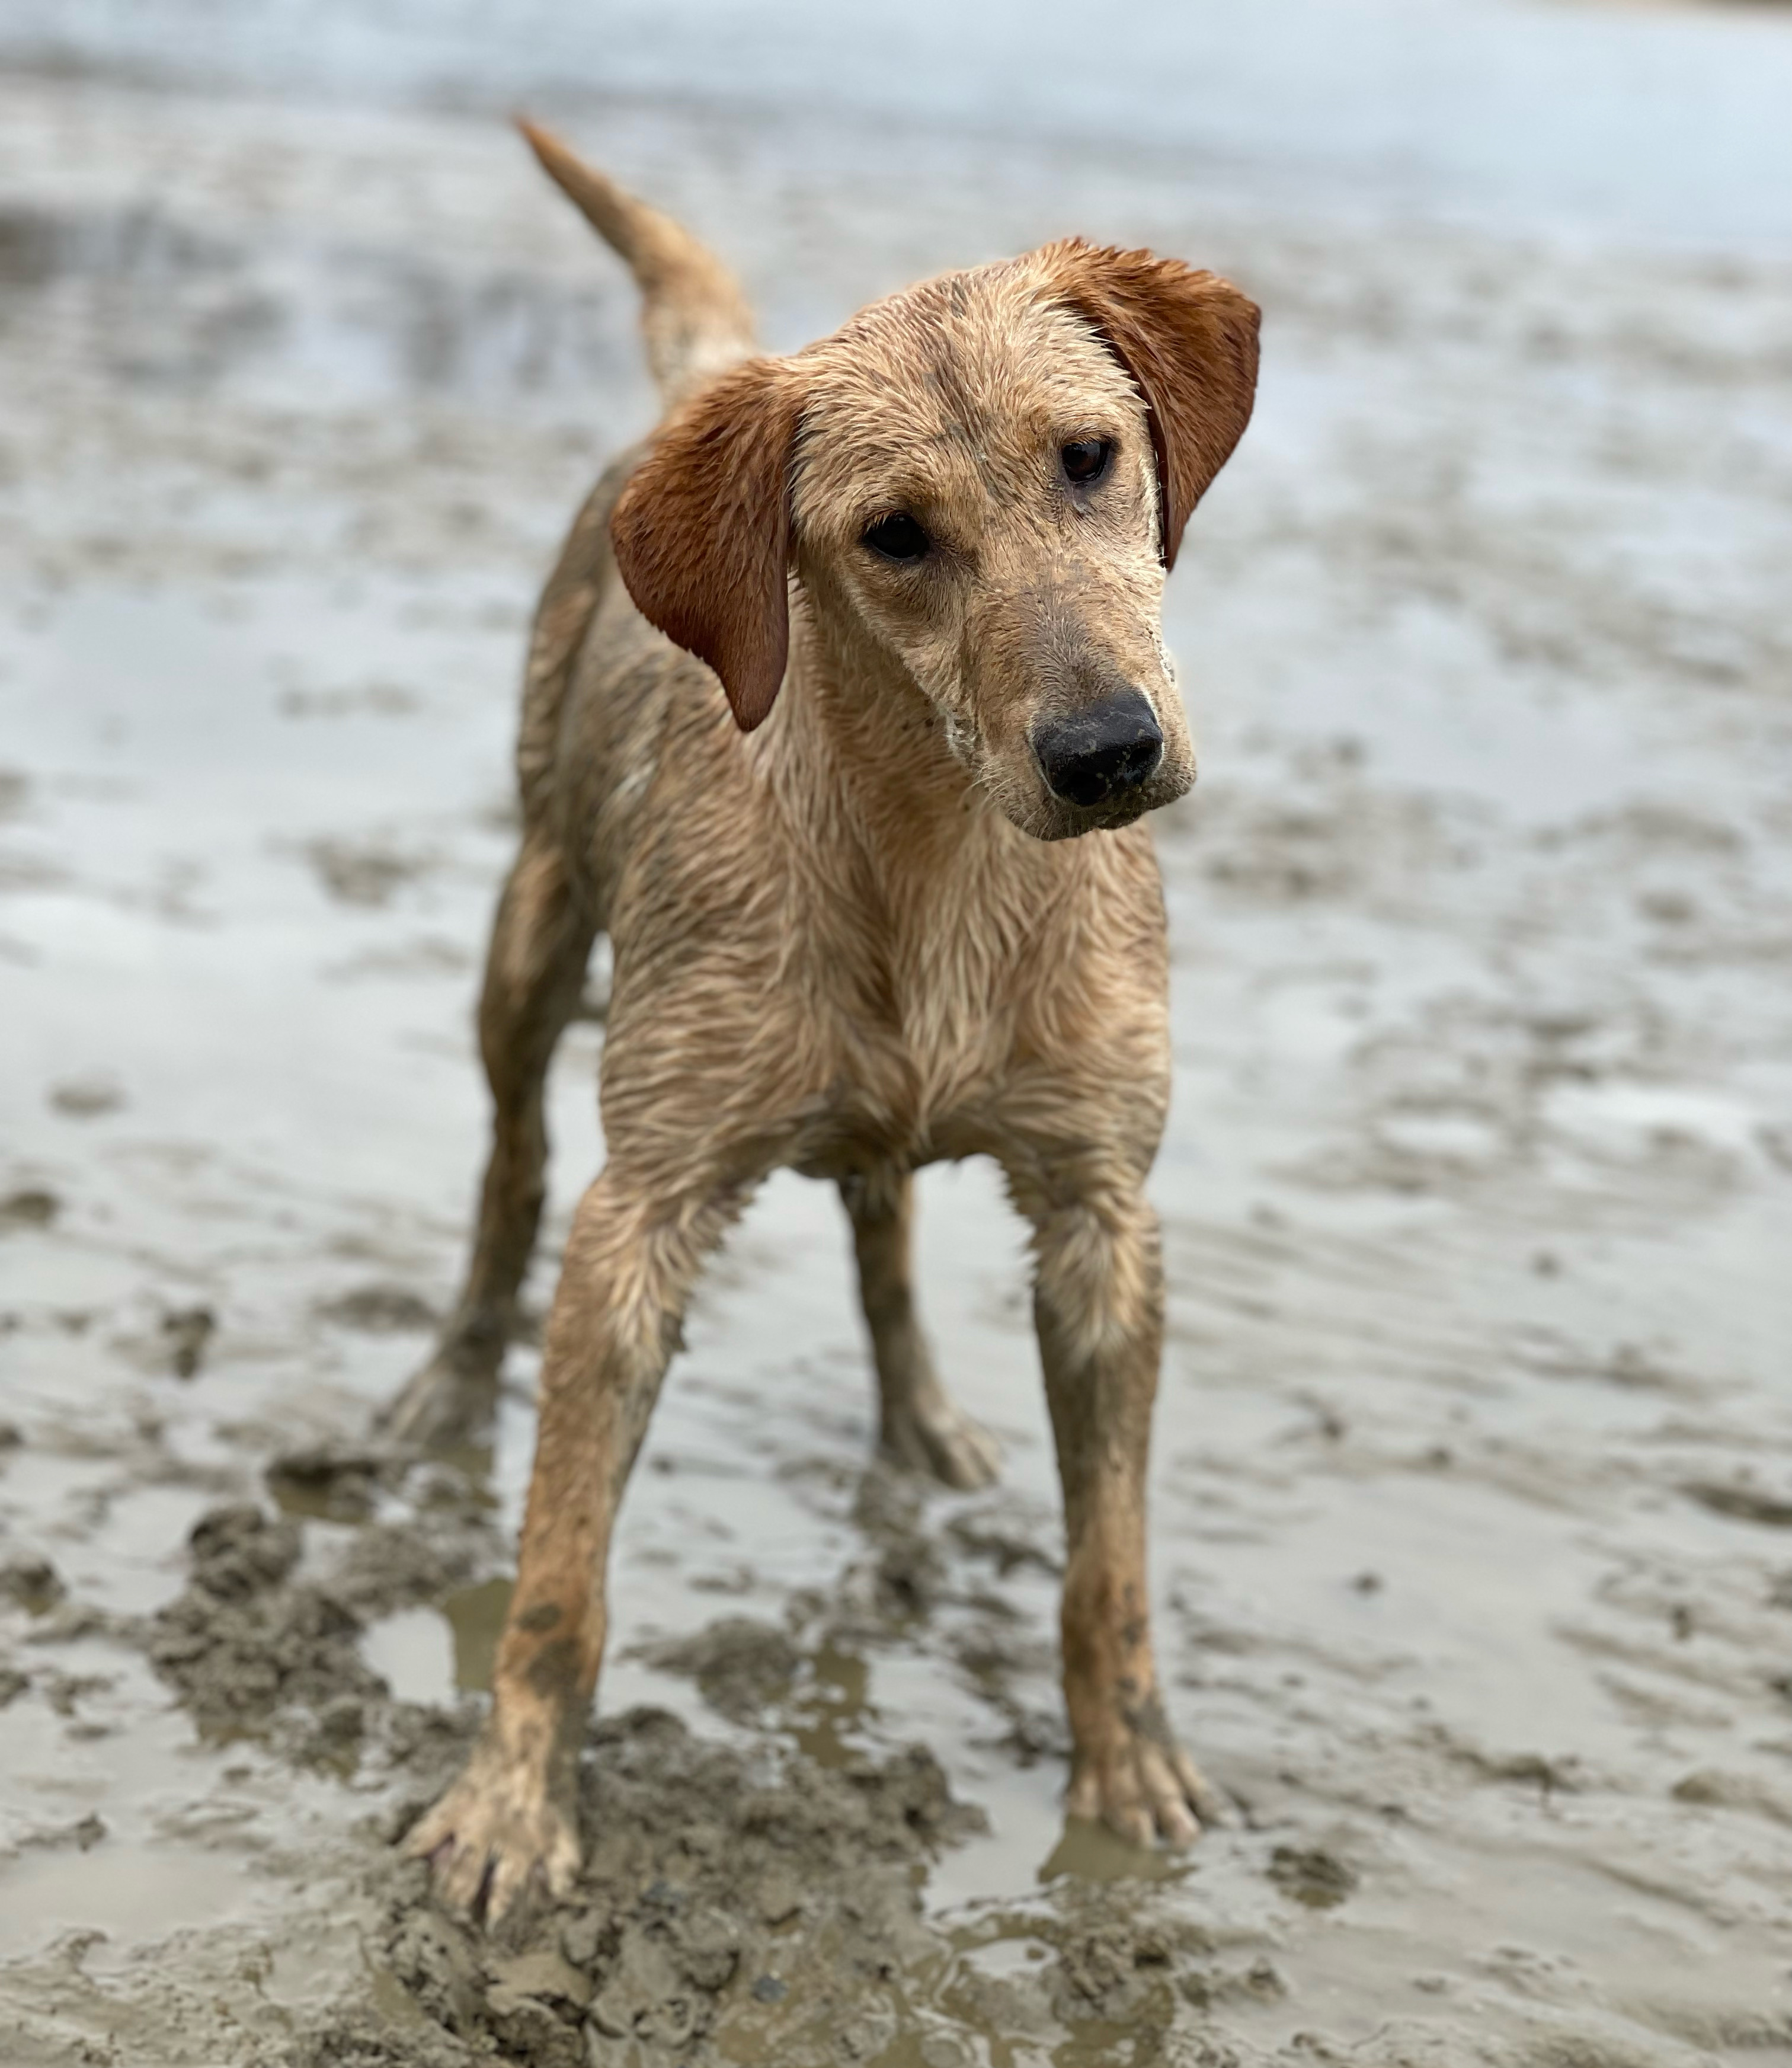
[598, 675]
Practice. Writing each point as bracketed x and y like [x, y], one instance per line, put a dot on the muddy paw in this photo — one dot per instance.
[450, 1401]
[945, 1443]
[496, 1834]
[1144, 1785]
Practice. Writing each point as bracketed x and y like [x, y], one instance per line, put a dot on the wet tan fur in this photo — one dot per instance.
[853, 939]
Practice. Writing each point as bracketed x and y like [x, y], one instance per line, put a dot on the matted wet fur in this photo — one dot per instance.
[845, 702]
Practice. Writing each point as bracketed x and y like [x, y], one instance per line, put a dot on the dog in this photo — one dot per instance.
[844, 706]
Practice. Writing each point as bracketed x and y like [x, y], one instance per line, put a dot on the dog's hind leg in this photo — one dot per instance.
[534, 971]
[918, 1424]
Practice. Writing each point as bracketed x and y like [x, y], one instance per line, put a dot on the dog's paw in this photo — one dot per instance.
[1142, 1784]
[450, 1401]
[496, 1835]
[946, 1444]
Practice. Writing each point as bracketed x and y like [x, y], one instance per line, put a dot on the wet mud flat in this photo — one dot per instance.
[1473, 1520]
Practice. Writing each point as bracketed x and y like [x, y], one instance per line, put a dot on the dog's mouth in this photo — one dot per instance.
[1043, 817]
[1114, 812]
[1067, 821]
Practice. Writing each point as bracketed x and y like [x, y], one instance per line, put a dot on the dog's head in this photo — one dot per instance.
[984, 481]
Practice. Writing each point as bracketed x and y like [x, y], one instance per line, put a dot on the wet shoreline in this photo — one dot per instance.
[1474, 1450]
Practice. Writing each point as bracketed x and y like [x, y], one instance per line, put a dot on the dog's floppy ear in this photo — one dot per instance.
[702, 531]
[1189, 341]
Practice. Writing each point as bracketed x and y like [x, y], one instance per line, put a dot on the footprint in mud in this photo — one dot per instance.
[742, 1667]
[381, 699]
[185, 1332]
[327, 1483]
[87, 1098]
[30, 1583]
[30, 1207]
[381, 1310]
[1312, 1875]
[365, 872]
[249, 1650]
[1742, 1503]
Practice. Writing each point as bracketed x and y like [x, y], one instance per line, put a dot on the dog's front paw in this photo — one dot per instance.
[497, 1833]
[1139, 1783]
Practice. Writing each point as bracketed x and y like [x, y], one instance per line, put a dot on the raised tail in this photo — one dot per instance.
[694, 317]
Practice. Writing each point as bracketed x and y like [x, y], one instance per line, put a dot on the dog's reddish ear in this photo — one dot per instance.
[1189, 341]
[702, 531]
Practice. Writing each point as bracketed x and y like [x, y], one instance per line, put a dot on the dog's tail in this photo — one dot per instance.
[694, 317]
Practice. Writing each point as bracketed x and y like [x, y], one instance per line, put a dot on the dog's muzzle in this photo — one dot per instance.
[1097, 755]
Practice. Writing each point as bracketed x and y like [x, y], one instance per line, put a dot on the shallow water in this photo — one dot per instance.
[1647, 122]
[1474, 1463]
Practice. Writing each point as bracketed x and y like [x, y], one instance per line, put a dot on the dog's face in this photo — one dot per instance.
[975, 486]
[985, 479]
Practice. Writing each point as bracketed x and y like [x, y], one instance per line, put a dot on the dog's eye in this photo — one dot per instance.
[1086, 459]
[898, 538]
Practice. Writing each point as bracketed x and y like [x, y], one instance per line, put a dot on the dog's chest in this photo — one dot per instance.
[926, 1029]
[982, 1009]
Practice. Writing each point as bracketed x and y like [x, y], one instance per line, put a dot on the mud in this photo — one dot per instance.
[739, 1901]
[729, 1899]
[1471, 1555]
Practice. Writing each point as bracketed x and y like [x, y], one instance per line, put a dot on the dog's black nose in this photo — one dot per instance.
[1100, 751]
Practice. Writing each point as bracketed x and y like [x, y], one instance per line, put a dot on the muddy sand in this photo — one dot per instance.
[1472, 1522]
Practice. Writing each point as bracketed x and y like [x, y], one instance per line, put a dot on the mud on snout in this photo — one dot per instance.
[1079, 724]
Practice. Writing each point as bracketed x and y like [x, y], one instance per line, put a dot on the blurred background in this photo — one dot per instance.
[1473, 1526]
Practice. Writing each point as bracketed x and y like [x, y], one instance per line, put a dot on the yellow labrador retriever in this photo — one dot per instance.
[844, 707]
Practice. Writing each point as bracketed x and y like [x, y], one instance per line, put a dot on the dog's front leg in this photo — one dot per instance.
[511, 1819]
[1098, 1303]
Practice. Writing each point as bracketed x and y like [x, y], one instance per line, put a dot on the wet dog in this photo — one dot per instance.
[844, 706]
